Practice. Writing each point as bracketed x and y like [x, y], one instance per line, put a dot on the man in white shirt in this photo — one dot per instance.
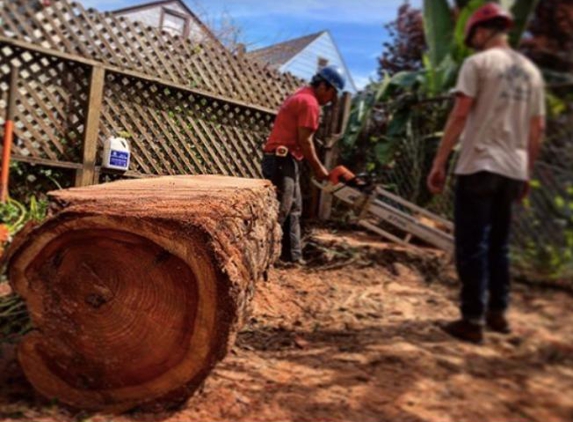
[499, 114]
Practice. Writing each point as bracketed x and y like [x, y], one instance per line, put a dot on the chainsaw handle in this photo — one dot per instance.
[340, 174]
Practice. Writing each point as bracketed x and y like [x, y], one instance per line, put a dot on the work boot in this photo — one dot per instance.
[290, 263]
[465, 330]
[299, 262]
[497, 322]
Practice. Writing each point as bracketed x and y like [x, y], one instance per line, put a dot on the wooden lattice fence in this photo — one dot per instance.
[120, 43]
[84, 76]
[51, 103]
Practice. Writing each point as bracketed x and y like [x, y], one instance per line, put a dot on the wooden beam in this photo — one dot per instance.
[46, 162]
[337, 130]
[345, 109]
[85, 176]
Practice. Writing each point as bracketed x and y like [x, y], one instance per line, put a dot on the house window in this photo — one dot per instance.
[322, 62]
[174, 23]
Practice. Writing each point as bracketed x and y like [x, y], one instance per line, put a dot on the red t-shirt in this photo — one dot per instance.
[299, 110]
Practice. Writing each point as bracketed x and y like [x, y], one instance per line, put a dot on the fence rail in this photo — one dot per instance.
[84, 76]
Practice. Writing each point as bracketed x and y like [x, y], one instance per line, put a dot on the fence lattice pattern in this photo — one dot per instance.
[185, 108]
[119, 42]
[226, 138]
[50, 107]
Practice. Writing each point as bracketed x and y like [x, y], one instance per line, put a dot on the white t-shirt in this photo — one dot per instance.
[508, 91]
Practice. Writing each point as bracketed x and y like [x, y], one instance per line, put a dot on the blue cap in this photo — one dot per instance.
[334, 75]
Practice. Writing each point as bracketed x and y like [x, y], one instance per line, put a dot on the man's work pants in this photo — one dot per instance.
[284, 173]
[482, 217]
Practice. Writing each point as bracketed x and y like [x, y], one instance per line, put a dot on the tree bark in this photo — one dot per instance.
[137, 288]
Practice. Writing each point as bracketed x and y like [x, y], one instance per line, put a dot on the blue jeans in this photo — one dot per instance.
[482, 218]
[284, 173]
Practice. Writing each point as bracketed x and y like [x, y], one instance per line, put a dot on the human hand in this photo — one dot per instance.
[436, 180]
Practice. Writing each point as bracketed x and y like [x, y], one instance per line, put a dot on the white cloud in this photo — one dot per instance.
[361, 80]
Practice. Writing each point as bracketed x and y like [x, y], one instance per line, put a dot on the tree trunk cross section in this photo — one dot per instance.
[137, 288]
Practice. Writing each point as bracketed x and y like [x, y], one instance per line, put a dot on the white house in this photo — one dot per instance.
[172, 16]
[304, 56]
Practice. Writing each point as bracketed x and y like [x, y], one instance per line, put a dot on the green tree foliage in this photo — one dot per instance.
[396, 124]
[383, 112]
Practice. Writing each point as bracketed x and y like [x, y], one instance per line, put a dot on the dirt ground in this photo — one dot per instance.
[355, 337]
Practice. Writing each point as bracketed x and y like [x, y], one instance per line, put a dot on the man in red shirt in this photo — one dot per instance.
[291, 141]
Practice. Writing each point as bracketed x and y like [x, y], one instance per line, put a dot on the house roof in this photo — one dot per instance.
[278, 54]
[153, 4]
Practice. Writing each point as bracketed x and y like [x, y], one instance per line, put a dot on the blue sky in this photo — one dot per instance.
[357, 26]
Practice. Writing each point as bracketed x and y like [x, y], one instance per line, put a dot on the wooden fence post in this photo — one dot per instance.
[336, 131]
[85, 176]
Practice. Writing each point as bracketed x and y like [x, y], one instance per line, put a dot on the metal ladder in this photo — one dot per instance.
[412, 221]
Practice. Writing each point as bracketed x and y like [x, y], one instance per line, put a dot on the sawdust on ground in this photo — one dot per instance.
[355, 337]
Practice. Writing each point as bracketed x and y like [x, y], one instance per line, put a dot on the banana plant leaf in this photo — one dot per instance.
[439, 80]
[521, 10]
[362, 110]
[459, 49]
[438, 28]
[384, 151]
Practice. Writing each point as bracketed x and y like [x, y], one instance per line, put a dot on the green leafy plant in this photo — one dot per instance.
[396, 123]
[27, 179]
[14, 318]
[14, 215]
[547, 212]
[445, 52]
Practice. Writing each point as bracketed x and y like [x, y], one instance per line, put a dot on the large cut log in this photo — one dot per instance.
[137, 288]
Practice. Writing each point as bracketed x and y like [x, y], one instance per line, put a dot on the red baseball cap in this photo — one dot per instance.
[487, 12]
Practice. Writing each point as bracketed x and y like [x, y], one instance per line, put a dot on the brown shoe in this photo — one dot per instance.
[465, 330]
[497, 322]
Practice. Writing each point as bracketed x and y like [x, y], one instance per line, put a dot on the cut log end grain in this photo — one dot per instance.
[137, 288]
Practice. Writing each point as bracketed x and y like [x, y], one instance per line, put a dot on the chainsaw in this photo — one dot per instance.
[341, 175]
[375, 208]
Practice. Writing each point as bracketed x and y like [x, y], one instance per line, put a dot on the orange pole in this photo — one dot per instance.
[8, 134]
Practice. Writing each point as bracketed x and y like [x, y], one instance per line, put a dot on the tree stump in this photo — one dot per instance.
[137, 288]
